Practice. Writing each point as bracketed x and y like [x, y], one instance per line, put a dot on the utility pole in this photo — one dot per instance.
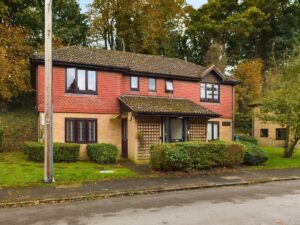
[48, 156]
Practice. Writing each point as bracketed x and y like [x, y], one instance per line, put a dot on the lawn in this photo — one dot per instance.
[16, 170]
[276, 161]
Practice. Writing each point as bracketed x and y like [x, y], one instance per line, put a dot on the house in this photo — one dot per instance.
[133, 100]
[267, 133]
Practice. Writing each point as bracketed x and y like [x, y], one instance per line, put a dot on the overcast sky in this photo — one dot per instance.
[195, 3]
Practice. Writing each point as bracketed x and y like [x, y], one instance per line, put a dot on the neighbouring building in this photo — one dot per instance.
[133, 100]
[267, 133]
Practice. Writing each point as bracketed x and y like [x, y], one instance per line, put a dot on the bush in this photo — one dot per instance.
[244, 138]
[1, 140]
[254, 155]
[62, 152]
[103, 153]
[188, 156]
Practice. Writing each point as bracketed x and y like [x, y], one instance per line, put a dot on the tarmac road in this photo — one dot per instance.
[275, 203]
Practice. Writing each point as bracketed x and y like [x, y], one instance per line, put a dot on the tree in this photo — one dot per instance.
[281, 103]
[69, 24]
[250, 73]
[136, 25]
[216, 55]
[14, 63]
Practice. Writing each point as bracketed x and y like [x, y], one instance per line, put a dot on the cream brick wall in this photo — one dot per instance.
[271, 139]
[225, 131]
[132, 138]
[109, 131]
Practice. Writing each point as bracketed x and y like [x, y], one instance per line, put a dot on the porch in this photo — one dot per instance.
[152, 120]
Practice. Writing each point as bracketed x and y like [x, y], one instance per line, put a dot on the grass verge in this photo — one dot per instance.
[276, 160]
[16, 171]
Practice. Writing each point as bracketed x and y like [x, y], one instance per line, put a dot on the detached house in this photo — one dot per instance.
[133, 100]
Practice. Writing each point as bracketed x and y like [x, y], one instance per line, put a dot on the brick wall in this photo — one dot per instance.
[111, 85]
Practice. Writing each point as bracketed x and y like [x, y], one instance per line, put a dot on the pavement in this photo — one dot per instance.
[16, 197]
[275, 203]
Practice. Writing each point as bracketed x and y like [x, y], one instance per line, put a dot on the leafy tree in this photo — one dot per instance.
[251, 75]
[281, 104]
[14, 54]
[69, 24]
[136, 25]
[216, 55]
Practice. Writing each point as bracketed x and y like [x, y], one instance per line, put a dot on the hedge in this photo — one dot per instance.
[1, 140]
[62, 152]
[245, 138]
[189, 156]
[254, 155]
[103, 153]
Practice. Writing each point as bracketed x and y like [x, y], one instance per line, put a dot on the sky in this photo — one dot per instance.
[194, 3]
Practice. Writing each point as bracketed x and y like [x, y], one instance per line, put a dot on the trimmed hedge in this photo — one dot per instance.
[103, 153]
[62, 152]
[244, 138]
[254, 155]
[189, 156]
[1, 140]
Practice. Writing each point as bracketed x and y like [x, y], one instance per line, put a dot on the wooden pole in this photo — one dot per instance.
[48, 156]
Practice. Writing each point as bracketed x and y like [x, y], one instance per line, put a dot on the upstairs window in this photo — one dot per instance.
[81, 81]
[81, 130]
[152, 84]
[169, 86]
[210, 92]
[134, 83]
[280, 134]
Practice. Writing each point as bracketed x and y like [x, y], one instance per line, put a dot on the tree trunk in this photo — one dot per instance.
[289, 150]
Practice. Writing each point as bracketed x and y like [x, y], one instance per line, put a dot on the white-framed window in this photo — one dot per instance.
[134, 83]
[213, 130]
[169, 86]
[151, 84]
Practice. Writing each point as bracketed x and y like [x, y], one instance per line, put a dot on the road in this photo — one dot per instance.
[268, 204]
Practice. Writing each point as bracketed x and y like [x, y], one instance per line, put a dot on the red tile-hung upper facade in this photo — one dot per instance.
[111, 85]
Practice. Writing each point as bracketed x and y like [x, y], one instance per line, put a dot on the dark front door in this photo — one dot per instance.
[124, 139]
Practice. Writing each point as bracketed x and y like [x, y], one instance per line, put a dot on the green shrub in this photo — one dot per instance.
[1, 140]
[254, 155]
[188, 156]
[103, 153]
[245, 138]
[62, 152]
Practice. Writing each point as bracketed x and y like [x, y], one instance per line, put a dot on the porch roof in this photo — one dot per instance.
[165, 106]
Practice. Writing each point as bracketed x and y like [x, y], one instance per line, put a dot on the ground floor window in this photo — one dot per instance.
[280, 134]
[176, 130]
[81, 130]
[264, 132]
[213, 131]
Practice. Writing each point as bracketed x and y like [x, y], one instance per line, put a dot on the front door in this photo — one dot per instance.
[124, 139]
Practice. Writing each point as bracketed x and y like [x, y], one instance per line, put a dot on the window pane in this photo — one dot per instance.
[169, 85]
[92, 131]
[81, 131]
[202, 91]
[71, 81]
[152, 84]
[81, 80]
[209, 91]
[134, 83]
[216, 92]
[70, 131]
[176, 129]
[216, 131]
[91, 81]
[209, 131]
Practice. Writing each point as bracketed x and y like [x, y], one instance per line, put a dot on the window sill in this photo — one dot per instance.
[81, 94]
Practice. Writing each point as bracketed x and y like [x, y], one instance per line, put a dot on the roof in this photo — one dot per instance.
[127, 61]
[165, 106]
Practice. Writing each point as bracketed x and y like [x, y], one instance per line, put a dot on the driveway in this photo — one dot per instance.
[275, 203]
